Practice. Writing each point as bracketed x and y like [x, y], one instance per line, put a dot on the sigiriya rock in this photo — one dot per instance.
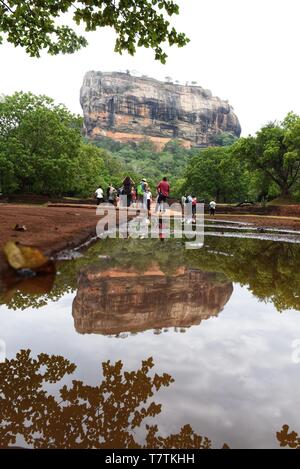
[130, 108]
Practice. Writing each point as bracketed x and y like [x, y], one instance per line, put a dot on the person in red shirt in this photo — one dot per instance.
[163, 189]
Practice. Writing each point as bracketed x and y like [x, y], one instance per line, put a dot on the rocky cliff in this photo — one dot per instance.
[129, 108]
[116, 300]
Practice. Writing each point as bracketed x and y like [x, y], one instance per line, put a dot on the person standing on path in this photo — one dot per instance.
[140, 192]
[112, 195]
[188, 211]
[128, 184]
[194, 205]
[145, 188]
[212, 207]
[99, 195]
[149, 198]
[163, 189]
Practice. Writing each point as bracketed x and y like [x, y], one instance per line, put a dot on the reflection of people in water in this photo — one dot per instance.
[83, 416]
[194, 205]
[161, 228]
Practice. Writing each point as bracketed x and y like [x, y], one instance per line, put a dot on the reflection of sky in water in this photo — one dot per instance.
[234, 378]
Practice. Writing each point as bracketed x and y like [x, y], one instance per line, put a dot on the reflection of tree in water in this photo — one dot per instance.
[271, 270]
[286, 438]
[84, 416]
[20, 293]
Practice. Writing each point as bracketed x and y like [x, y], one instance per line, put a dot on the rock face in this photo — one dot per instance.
[116, 301]
[129, 108]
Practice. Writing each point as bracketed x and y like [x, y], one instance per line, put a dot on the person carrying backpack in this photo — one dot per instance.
[140, 189]
[127, 189]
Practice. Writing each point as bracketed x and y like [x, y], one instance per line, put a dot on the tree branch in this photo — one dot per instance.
[295, 176]
[6, 6]
[263, 168]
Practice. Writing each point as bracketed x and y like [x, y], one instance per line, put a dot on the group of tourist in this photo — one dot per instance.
[136, 195]
[191, 199]
[140, 196]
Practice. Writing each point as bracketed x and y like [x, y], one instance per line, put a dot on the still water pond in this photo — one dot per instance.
[221, 323]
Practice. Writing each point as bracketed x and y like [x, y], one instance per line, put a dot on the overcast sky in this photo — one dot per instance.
[244, 51]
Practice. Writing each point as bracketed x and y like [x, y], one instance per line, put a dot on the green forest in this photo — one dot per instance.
[43, 151]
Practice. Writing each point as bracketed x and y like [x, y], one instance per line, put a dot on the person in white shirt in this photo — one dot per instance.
[212, 207]
[99, 195]
[188, 209]
[148, 198]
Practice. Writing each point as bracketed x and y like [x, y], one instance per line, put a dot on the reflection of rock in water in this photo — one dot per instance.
[115, 301]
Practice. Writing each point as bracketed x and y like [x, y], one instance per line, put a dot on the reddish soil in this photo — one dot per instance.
[51, 229]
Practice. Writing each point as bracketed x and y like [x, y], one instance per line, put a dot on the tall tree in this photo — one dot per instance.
[41, 149]
[14, 108]
[34, 25]
[214, 172]
[275, 152]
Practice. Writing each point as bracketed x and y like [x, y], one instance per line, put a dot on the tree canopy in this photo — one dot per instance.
[214, 173]
[275, 152]
[42, 151]
[138, 23]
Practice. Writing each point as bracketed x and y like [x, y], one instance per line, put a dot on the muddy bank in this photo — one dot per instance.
[50, 229]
